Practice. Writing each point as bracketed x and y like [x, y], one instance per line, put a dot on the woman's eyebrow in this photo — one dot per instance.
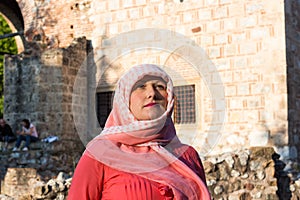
[138, 83]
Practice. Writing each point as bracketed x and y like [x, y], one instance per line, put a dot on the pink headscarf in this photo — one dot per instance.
[148, 148]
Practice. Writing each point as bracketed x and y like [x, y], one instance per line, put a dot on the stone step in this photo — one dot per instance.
[33, 145]
[47, 158]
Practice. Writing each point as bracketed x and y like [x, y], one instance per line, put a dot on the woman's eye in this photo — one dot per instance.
[161, 87]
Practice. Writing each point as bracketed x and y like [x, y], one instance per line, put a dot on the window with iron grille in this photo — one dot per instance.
[184, 107]
[104, 106]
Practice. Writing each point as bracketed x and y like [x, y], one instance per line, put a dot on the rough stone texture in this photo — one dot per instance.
[256, 173]
[41, 87]
[42, 171]
[18, 179]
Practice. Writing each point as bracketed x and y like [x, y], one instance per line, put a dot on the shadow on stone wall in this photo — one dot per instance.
[283, 179]
[292, 31]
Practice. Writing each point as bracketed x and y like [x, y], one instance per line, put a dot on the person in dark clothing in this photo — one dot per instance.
[6, 134]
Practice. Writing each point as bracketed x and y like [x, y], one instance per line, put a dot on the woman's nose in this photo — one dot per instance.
[150, 91]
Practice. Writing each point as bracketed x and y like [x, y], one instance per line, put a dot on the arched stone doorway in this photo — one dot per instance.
[10, 10]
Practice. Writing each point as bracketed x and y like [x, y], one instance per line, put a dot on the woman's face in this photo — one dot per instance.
[148, 99]
[23, 123]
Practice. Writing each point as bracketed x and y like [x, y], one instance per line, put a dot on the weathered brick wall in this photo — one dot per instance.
[60, 22]
[244, 40]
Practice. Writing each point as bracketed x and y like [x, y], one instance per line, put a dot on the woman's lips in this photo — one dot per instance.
[150, 104]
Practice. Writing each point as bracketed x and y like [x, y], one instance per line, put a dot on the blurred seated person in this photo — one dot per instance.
[28, 134]
[6, 134]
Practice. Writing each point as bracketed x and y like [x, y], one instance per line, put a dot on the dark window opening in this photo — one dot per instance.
[104, 106]
[185, 106]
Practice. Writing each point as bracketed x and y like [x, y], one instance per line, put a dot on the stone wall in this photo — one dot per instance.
[39, 86]
[245, 41]
[255, 173]
[237, 41]
[30, 171]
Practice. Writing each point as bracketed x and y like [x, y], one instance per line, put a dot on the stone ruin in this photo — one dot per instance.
[256, 173]
[39, 86]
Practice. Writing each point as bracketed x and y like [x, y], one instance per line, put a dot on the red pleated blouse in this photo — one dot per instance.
[93, 180]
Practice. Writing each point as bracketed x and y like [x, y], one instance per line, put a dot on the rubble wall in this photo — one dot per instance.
[255, 173]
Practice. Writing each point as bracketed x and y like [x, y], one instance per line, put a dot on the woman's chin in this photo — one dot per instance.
[156, 113]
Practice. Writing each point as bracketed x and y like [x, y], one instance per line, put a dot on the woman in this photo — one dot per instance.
[28, 134]
[138, 155]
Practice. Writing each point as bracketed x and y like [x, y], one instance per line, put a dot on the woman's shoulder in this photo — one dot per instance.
[189, 151]
[188, 155]
[89, 159]
[192, 159]
[88, 162]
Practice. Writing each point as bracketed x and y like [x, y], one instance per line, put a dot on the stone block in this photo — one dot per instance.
[206, 40]
[236, 103]
[220, 39]
[259, 138]
[230, 50]
[236, 116]
[220, 12]
[16, 181]
[214, 52]
[205, 14]
[249, 21]
[140, 2]
[211, 2]
[243, 89]
[230, 90]
[234, 10]
[239, 62]
[208, 167]
[187, 17]
[262, 152]
[248, 48]
[236, 38]
[218, 190]
[240, 195]
[213, 27]
[113, 5]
